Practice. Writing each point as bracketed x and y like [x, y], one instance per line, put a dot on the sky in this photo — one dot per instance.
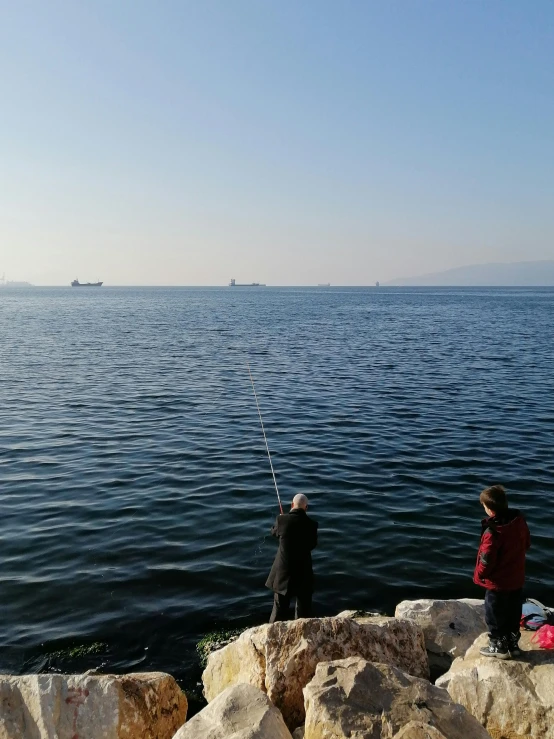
[173, 142]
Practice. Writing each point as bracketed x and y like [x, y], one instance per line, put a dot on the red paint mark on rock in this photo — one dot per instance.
[76, 697]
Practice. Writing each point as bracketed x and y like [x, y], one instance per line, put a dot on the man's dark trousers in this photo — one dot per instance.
[281, 607]
[503, 612]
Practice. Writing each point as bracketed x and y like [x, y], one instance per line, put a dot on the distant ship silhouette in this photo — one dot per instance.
[13, 283]
[76, 283]
[234, 283]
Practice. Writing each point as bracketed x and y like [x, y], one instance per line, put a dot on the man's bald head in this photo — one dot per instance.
[300, 501]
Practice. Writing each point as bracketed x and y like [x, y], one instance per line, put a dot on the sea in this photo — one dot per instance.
[136, 496]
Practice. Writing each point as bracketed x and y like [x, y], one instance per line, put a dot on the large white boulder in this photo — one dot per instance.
[240, 712]
[512, 698]
[135, 706]
[281, 658]
[450, 626]
[359, 699]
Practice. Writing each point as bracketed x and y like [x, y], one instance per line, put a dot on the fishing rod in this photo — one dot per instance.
[265, 437]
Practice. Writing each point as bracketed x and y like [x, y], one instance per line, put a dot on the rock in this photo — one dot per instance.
[240, 712]
[298, 733]
[358, 615]
[418, 730]
[450, 626]
[512, 699]
[136, 706]
[356, 698]
[281, 658]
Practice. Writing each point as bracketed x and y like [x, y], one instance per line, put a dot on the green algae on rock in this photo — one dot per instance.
[215, 640]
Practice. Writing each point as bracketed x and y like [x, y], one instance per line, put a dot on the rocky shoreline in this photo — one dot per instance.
[417, 675]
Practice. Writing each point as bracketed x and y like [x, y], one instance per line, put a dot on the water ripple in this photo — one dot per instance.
[135, 490]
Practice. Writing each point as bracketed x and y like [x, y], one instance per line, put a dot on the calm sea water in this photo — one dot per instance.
[135, 492]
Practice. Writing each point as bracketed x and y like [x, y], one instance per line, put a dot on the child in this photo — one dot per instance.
[500, 569]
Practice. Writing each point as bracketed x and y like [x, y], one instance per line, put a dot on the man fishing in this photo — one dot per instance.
[292, 574]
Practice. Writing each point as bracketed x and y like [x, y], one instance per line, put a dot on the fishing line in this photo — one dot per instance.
[265, 437]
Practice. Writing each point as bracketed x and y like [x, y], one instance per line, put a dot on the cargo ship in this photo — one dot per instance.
[76, 283]
[13, 283]
[234, 283]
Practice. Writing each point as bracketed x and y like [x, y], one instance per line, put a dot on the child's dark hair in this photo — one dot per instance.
[494, 498]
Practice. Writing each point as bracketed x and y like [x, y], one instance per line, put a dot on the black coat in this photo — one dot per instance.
[292, 572]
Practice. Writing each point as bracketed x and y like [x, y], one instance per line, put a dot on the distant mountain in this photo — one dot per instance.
[515, 274]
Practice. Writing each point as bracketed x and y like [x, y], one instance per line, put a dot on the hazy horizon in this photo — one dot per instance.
[189, 143]
[491, 274]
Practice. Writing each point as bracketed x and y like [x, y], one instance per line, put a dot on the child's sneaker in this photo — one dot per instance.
[513, 645]
[496, 648]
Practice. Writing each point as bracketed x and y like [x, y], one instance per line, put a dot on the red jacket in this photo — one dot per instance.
[501, 556]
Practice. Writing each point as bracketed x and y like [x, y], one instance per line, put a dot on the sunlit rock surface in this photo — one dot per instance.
[355, 698]
[450, 626]
[512, 699]
[240, 712]
[134, 706]
[281, 658]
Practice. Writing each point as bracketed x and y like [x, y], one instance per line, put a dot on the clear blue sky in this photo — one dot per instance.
[176, 142]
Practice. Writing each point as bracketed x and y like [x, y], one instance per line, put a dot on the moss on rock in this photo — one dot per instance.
[80, 650]
[216, 640]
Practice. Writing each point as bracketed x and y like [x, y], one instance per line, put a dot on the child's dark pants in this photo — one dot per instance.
[503, 612]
